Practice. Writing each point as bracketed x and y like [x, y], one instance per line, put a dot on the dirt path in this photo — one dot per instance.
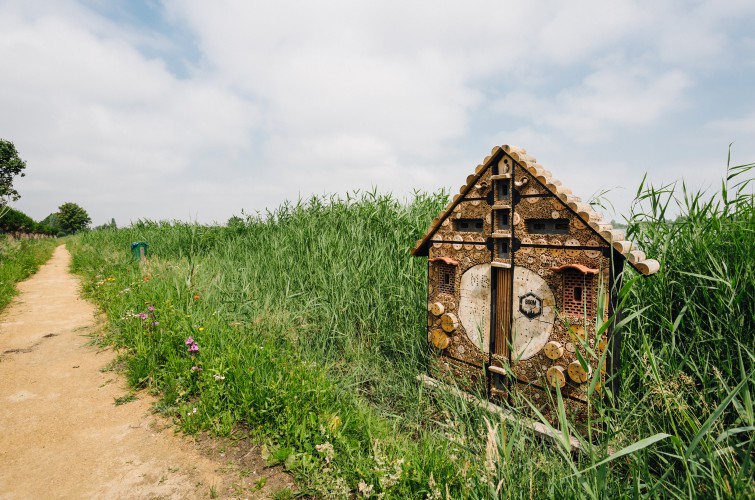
[62, 436]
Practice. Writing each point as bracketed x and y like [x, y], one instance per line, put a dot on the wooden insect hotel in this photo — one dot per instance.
[519, 272]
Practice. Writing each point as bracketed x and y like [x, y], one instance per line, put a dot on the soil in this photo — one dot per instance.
[62, 435]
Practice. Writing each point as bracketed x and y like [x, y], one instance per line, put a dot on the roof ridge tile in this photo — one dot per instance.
[592, 218]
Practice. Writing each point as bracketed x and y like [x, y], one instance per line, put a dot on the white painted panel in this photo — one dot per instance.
[474, 305]
[531, 333]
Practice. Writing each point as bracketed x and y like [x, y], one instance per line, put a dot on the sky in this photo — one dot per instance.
[197, 110]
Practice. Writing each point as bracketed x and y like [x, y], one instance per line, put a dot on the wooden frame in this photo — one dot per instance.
[507, 306]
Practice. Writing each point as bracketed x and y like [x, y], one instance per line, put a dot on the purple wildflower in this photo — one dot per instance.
[195, 368]
[142, 315]
[194, 348]
[155, 323]
[151, 308]
[189, 341]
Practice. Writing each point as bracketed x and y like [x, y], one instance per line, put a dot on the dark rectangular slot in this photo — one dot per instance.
[548, 226]
[468, 225]
[503, 219]
[503, 249]
[502, 189]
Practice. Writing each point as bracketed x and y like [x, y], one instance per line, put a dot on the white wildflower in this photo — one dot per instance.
[365, 489]
[326, 449]
[434, 491]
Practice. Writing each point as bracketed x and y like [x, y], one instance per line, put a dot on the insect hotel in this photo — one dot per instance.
[519, 272]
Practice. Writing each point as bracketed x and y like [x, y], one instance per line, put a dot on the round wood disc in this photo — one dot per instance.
[437, 308]
[577, 373]
[553, 349]
[555, 375]
[541, 241]
[460, 240]
[577, 330]
[602, 343]
[474, 304]
[556, 252]
[532, 319]
[571, 243]
[449, 322]
[439, 339]
[593, 254]
[526, 241]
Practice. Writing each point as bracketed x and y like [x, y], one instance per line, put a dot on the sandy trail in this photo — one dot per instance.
[62, 436]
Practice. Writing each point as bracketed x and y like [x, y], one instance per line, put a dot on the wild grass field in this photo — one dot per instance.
[19, 259]
[304, 328]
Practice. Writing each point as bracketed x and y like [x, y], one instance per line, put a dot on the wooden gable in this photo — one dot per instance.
[540, 181]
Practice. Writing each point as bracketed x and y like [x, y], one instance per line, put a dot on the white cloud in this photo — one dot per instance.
[607, 100]
[318, 71]
[738, 130]
[89, 112]
[291, 97]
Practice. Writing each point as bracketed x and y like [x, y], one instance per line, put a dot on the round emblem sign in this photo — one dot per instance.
[534, 313]
[530, 305]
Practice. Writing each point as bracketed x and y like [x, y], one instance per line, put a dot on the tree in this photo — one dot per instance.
[52, 225]
[107, 225]
[72, 218]
[15, 221]
[11, 165]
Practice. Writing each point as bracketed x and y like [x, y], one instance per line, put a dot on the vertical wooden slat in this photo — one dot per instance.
[503, 312]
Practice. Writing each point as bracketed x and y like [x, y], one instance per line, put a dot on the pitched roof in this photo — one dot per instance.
[584, 211]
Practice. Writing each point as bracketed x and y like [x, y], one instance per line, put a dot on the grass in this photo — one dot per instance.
[310, 327]
[128, 398]
[19, 259]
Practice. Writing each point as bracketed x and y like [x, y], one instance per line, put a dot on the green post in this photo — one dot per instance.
[139, 250]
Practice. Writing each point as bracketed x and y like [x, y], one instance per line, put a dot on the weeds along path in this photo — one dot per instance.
[61, 434]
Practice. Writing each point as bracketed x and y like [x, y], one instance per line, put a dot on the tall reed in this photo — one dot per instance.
[310, 325]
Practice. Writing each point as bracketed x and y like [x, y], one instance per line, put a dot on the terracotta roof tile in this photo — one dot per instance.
[446, 260]
[615, 238]
[578, 267]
